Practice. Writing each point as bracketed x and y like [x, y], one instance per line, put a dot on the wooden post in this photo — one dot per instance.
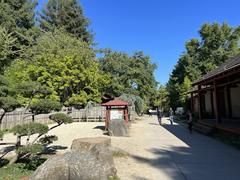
[215, 99]
[126, 114]
[106, 118]
[229, 103]
[199, 103]
[192, 104]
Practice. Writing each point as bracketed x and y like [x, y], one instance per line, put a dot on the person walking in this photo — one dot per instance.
[159, 116]
[171, 116]
[190, 122]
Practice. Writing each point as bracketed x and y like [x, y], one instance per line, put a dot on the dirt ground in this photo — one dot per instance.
[167, 152]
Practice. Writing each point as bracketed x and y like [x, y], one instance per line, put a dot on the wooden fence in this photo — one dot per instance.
[20, 116]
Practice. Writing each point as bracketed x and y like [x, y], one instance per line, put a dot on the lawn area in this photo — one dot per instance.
[16, 171]
[19, 170]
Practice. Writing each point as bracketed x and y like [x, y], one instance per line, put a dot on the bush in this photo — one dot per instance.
[29, 129]
[45, 106]
[32, 149]
[9, 103]
[61, 118]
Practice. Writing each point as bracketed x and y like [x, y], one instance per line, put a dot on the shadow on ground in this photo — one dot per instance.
[200, 157]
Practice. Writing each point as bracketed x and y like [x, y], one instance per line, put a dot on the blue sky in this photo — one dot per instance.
[160, 28]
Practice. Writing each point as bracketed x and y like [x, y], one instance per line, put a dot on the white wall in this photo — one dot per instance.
[235, 99]
[208, 105]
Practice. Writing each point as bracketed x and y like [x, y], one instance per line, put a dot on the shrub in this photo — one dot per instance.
[45, 106]
[29, 129]
[32, 149]
[61, 118]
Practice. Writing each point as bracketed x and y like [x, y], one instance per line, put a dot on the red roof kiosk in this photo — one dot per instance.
[116, 110]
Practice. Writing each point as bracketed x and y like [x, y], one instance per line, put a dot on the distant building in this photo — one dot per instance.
[215, 98]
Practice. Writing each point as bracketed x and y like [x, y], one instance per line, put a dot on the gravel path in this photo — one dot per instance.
[159, 152]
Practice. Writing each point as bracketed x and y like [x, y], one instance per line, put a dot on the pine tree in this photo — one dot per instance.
[67, 15]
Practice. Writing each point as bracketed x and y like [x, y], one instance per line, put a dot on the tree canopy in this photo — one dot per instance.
[216, 44]
[67, 15]
[129, 74]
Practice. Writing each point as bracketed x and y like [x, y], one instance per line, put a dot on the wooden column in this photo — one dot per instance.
[229, 103]
[199, 103]
[215, 100]
[192, 103]
[126, 114]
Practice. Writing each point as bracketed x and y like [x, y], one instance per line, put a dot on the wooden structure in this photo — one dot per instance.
[116, 110]
[215, 98]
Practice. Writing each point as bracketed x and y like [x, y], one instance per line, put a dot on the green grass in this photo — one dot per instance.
[119, 154]
[14, 172]
[19, 170]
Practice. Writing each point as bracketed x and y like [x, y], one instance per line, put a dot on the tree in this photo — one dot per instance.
[7, 52]
[67, 15]
[161, 98]
[136, 102]
[44, 106]
[8, 102]
[18, 18]
[63, 64]
[38, 144]
[129, 74]
[217, 43]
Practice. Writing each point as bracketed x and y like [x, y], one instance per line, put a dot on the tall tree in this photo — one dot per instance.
[216, 44]
[68, 15]
[18, 17]
[64, 64]
[129, 74]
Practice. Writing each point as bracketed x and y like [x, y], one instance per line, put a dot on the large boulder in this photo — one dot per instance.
[90, 159]
[118, 128]
[88, 144]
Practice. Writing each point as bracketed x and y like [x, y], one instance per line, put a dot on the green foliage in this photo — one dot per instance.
[129, 74]
[14, 172]
[67, 15]
[48, 139]
[8, 103]
[42, 106]
[30, 129]
[63, 64]
[135, 101]
[161, 98]
[17, 17]
[32, 149]
[216, 44]
[7, 42]
[61, 118]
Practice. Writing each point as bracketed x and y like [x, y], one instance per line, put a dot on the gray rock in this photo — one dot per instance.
[118, 128]
[86, 161]
[86, 144]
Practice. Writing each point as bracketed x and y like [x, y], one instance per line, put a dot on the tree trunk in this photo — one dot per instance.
[33, 117]
[16, 157]
[1, 118]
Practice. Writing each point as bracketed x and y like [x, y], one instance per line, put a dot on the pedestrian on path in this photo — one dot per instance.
[190, 122]
[171, 116]
[150, 112]
[159, 116]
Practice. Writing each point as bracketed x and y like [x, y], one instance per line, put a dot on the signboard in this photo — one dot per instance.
[116, 114]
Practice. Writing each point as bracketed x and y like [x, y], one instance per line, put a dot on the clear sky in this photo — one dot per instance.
[160, 28]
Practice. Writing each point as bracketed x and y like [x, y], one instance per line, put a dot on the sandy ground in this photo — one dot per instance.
[166, 152]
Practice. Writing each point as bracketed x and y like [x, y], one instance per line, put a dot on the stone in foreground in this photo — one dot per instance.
[90, 159]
